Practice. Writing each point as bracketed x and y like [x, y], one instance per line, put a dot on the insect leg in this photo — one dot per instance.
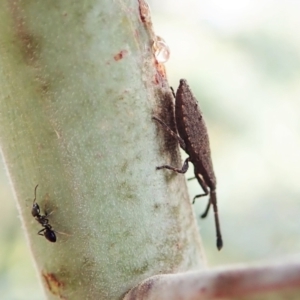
[41, 232]
[181, 171]
[173, 92]
[206, 209]
[171, 132]
[64, 233]
[46, 206]
[48, 214]
[212, 201]
[205, 189]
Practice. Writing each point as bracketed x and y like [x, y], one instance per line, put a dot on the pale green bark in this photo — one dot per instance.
[76, 119]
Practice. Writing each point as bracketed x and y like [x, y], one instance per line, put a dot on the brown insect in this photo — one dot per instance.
[193, 139]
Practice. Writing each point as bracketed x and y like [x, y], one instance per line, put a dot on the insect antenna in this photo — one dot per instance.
[35, 193]
[213, 201]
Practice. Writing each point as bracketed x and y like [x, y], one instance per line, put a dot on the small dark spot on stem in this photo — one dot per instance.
[156, 206]
[120, 55]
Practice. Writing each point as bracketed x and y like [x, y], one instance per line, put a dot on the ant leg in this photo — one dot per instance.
[63, 233]
[41, 232]
[171, 132]
[181, 171]
[48, 214]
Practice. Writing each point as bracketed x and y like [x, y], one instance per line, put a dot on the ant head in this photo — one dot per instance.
[35, 210]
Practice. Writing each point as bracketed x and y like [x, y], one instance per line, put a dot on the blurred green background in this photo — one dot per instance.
[242, 61]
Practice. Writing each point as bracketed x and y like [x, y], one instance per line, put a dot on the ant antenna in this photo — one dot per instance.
[35, 193]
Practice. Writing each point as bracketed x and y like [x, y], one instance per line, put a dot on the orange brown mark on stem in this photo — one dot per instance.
[120, 55]
[54, 285]
[144, 10]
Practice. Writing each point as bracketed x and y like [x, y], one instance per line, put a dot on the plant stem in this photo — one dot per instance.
[76, 101]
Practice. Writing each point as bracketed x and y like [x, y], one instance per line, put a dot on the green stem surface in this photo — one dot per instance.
[78, 89]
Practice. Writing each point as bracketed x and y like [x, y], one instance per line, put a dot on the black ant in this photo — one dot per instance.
[47, 231]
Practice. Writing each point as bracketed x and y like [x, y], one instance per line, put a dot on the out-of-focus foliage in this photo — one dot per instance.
[241, 58]
[17, 275]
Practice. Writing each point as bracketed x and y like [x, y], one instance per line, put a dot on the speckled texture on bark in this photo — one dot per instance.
[78, 89]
